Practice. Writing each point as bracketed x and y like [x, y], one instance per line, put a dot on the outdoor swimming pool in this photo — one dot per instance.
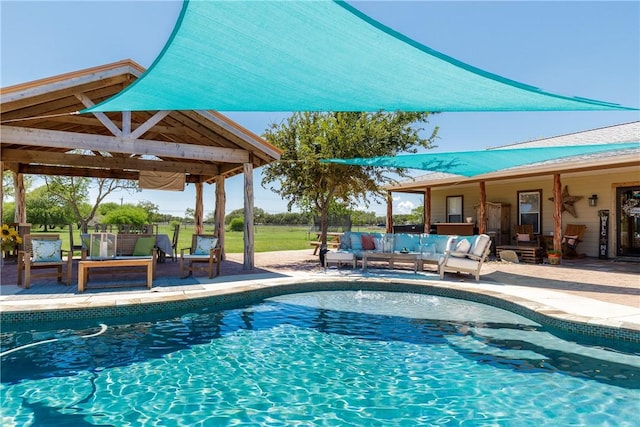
[319, 358]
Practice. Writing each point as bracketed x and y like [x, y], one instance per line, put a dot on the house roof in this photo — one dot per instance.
[40, 134]
[624, 138]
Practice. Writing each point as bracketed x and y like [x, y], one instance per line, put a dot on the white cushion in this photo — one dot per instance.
[339, 256]
[204, 245]
[480, 245]
[461, 248]
[462, 263]
[523, 237]
[46, 250]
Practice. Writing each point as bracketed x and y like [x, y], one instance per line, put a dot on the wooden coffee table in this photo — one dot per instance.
[393, 257]
[117, 265]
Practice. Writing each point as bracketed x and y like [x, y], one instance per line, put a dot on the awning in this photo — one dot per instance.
[315, 55]
[471, 163]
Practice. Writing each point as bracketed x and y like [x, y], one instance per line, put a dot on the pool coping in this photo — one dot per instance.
[548, 307]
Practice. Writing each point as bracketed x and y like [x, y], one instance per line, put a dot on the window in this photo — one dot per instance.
[454, 208]
[530, 209]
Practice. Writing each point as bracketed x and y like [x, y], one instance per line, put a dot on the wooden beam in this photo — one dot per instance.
[248, 217]
[106, 121]
[93, 173]
[72, 140]
[143, 128]
[84, 172]
[79, 160]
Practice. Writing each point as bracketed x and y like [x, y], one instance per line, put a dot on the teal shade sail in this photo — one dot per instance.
[471, 163]
[315, 55]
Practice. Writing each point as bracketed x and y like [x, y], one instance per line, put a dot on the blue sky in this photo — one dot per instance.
[589, 49]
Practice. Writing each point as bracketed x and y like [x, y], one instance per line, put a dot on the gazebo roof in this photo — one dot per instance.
[41, 134]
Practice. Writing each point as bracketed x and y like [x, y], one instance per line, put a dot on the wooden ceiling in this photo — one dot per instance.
[41, 133]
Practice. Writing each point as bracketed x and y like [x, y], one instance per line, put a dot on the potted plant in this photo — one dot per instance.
[554, 256]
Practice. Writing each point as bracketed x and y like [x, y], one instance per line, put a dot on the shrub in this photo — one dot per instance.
[237, 224]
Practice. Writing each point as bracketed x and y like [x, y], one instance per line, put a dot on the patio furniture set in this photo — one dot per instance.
[532, 249]
[445, 252]
[111, 253]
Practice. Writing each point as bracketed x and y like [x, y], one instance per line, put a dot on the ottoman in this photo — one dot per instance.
[339, 257]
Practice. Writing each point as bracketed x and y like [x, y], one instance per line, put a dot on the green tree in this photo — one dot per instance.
[152, 209]
[107, 207]
[127, 214]
[44, 209]
[189, 215]
[74, 192]
[306, 138]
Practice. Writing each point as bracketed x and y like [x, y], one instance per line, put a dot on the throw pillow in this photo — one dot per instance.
[523, 237]
[46, 250]
[461, 248]
[144, 246]
[480, 244]
[356, 242]
[367, 242]
[204, 245]
[570, 240]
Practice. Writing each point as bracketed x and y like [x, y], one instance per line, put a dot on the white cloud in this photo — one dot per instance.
[404, 207]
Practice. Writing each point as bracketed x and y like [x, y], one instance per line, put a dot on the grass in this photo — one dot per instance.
[266, 238]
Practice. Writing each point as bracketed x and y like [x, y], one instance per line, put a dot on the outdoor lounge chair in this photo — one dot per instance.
[204, 250]
[572, 236]
[469, 259]
[43, 252]
[523, 235]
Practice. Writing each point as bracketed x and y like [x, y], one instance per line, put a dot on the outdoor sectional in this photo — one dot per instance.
[430, 246]
[462, 253]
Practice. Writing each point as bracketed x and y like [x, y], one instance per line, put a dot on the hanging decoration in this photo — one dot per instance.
[632, 207]
[568, 202]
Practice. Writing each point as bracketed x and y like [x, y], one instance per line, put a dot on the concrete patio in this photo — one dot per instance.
[588, 290]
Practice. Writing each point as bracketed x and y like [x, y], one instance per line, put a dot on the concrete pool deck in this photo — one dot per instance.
[590, 291]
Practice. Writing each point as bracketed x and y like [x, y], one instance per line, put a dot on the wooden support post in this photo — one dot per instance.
[482, 209]
[557, 212]
[20, 215]
[221, 200]
[248, 216]
[427, 209]
[389, 213]
[198, 215]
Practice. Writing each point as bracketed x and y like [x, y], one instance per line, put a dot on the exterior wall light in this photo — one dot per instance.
[593, 200]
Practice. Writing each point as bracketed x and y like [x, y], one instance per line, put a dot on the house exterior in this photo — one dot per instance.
[601, 191]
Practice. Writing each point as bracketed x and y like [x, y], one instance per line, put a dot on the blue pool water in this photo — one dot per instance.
[349, 358]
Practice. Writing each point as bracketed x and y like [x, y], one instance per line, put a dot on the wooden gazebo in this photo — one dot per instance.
[42, 134]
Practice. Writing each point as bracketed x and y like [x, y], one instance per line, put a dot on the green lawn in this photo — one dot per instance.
[266, 238]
